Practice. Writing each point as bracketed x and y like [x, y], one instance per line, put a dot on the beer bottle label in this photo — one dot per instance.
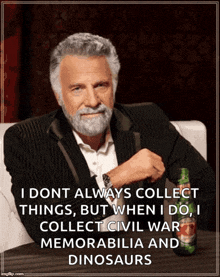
[183, 186]
[187, 233]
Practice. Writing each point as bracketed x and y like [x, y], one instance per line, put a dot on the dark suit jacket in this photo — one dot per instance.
[34, 156]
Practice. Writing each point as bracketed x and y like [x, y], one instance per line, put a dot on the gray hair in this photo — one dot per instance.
[83, 44]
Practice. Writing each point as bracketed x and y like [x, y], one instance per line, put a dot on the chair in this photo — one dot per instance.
[195, 132]
[12, 231]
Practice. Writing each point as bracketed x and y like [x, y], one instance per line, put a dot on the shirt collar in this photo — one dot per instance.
[103, 148]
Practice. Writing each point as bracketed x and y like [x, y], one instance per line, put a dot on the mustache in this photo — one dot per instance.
[89, 110]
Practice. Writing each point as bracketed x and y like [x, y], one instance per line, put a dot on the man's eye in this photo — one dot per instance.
[76, 89]
[102, 86]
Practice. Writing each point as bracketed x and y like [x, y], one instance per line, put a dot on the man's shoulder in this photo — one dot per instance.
[33, 126]
[145, 110]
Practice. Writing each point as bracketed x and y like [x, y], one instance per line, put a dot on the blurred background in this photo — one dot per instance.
[167, 54]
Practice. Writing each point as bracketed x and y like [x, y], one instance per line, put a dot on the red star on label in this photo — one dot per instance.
[187, 230]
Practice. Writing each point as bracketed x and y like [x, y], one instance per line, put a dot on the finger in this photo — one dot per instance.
[159, 165]
[154, 178]
[155, 175]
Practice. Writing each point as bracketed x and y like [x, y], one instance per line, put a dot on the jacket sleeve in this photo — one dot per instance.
[28, 171]
[201, 176]
[161, 137]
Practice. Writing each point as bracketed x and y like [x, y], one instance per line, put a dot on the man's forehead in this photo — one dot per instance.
[83, 65]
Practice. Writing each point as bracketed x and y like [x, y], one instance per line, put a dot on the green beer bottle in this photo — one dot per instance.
[186, 216]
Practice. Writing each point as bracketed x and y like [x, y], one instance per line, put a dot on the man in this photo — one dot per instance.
[93, 144]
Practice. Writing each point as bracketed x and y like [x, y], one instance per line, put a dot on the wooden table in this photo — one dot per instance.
[31, 260]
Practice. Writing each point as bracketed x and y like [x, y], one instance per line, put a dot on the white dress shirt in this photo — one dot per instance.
[100, 162]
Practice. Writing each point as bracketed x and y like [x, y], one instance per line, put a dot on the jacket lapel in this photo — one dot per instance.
[127, 143]
[123, 137]
[124, 145]
[61, 131]
[76, 157]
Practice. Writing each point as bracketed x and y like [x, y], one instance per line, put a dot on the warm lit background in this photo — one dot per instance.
[167, 53]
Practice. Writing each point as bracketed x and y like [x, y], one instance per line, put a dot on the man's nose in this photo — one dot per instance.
[92, 99]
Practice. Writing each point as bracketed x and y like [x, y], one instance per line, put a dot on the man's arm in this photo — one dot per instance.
[175, 153]
[143, 165]
[148, 165]
[29, 171]
[201, 176]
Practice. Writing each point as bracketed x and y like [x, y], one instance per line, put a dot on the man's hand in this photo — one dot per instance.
[144, 164]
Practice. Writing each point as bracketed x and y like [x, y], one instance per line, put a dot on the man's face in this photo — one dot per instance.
[87, 93]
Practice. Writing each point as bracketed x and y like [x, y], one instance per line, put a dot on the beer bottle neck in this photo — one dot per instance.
[184, 191]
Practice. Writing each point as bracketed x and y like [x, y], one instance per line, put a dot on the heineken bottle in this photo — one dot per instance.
[186, 216]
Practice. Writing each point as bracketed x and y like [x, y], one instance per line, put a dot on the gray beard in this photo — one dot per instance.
[90, 126]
